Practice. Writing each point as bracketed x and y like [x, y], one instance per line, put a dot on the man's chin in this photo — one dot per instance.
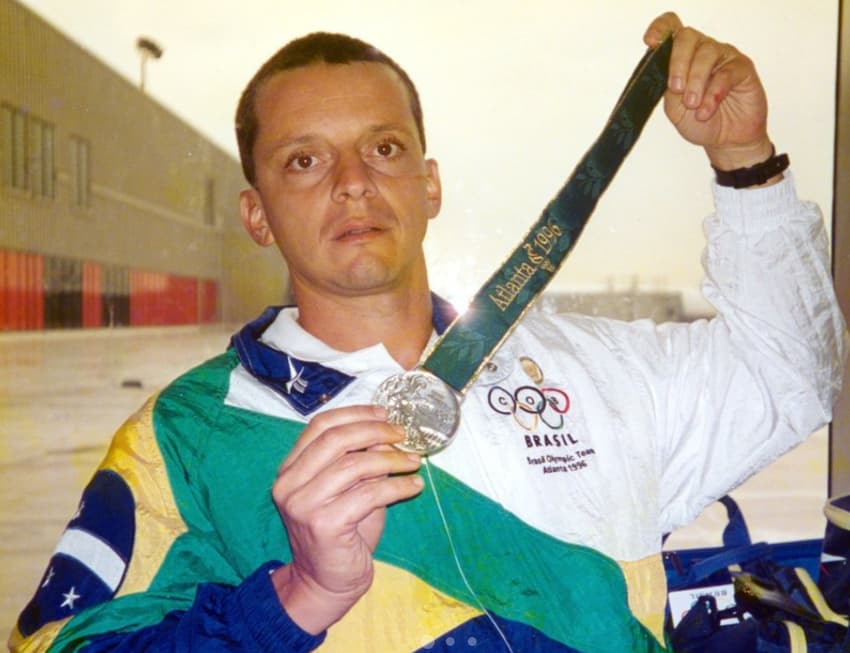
[368, 274]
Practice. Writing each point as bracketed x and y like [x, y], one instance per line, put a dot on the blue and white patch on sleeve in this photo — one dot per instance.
[90, 561]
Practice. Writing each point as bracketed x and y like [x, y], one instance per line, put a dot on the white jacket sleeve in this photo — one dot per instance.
[761, 376]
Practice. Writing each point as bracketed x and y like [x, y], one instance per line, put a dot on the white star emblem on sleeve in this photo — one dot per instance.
[70, 597]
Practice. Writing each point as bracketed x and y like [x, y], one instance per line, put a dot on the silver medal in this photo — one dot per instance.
[425, 406]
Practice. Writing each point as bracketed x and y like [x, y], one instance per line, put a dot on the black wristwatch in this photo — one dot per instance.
[754, 175]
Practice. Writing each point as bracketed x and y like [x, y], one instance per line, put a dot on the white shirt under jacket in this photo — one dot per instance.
[635, 427]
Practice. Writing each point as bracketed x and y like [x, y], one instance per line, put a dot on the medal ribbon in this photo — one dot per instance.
[473, 338]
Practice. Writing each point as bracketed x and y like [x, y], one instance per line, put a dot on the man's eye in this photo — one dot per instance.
[389, 149]
[301, 161]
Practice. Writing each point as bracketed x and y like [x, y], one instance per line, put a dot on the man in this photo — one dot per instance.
[539, 528]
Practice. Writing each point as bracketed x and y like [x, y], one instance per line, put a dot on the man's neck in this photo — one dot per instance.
[402, 322]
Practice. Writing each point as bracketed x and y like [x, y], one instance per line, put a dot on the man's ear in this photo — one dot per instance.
[254, 217]
[434, 188]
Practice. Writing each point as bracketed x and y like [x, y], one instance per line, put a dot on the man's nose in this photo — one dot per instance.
[353, 179]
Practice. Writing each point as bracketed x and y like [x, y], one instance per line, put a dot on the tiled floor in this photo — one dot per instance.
[62, 396]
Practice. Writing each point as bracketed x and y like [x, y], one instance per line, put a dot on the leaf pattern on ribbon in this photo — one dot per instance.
[624, 130]
[590, 179]
[467, 350]
[654, 81]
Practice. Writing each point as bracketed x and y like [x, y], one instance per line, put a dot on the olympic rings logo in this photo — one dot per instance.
[529, 405]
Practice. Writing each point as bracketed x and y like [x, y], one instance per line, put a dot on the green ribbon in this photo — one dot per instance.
[472, 339]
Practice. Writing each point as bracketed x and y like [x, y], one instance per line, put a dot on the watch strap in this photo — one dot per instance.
[755, 175]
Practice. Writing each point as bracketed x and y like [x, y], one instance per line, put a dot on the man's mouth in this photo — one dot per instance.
[357, 232]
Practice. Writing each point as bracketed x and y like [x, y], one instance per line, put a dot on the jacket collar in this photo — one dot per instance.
[306, 385]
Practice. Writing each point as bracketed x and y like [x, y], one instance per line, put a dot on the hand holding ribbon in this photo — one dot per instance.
[714, 95]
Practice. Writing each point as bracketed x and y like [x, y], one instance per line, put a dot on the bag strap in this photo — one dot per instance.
[736, 532]
[724, 559]
[737, 548]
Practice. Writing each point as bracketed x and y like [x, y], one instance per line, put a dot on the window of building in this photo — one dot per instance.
[47, 154]
[27, 148]
[41, 164]
[13, 145]
[6, 144]
[35, 163]
[209, 202]
[80, 183]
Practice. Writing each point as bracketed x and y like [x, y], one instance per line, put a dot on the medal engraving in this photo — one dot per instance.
[425, 406]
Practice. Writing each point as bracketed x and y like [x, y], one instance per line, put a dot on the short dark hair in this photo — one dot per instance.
[318, 47]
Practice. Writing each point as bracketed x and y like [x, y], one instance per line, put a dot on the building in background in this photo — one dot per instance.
[113, 211]
[634, 304]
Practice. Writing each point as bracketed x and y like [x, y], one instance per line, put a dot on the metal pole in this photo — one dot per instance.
[839, 434]
[148, 49]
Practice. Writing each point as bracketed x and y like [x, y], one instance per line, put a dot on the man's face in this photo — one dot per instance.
[342, 185]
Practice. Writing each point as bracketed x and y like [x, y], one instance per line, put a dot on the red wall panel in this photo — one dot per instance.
[135, 297]
[181, 300]
[39, 291]
[33, 294]
[14, 289]
[27, 277]
[4, 311]
[92, 294]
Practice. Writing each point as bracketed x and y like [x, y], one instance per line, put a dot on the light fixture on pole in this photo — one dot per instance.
[148, 49]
